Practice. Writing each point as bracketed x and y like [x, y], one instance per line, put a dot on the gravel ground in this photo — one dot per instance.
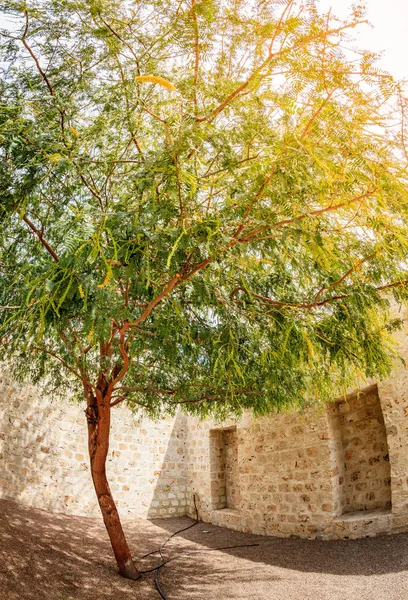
[56, 557]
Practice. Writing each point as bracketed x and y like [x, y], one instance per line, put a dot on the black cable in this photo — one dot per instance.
[159, 550]
[156, 578]
[157, 584]
[165, 561]
[168, 539]
[168, 560]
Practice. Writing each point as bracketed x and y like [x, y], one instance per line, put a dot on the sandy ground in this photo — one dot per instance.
[56, 557]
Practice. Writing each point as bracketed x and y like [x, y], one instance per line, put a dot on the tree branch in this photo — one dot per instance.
[62, 361]
[217, 397]
[256, 73]
[130, 388]
[94, 193]
[116, 377]
[122, 398]
[393, 284]
[33, 56]
[40, 236]
[168, 288]
[196, 56]
[312, 213]
[287, 9]
[309, 306]
[139, 389]
[316, 114]
[346, 274]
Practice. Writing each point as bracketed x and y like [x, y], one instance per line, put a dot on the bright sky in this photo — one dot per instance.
[390, 33]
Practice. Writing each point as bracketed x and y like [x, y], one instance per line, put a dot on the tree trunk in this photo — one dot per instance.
[98, 416]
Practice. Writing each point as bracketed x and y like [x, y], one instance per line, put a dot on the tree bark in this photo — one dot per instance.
[98, 417]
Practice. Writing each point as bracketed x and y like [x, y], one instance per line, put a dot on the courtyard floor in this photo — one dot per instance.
[57, 557]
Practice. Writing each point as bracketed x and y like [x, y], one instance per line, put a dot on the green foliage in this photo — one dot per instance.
[232, 238]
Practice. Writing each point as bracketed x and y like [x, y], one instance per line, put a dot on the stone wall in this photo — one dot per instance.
[224, 468]
[361, 453]
[394, 403]
[44, 460]
[232, 478]
[337, 472]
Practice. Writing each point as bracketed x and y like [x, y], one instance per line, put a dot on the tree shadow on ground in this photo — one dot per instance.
[380, 555]
[60, 557]
[369, 568]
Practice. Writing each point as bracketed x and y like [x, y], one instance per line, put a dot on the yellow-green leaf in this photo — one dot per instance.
[109, 275]
[155, 79]
[55, 158]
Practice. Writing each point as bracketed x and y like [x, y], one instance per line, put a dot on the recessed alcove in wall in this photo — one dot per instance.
[224, 469]
[360, 452]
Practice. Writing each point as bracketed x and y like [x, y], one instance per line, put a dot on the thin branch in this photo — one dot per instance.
[312, 213]
[282, 304]
[196, 56]
[309, 306]
[128, 46]
[40, 236]
[401, 103]
[62, 361]
[393, 284]
[256, 73]
[146, 332]
[33, 56]
[326, 209]
[180, 199]
[240, 162]
[122, 398]
[316, 114]
[152, 114]
[288, 7]
[219, 396]
[116, 377]
[90, 188]
[66, 341]
[131, 388]
[257, 196]
[168, 288]
[346, 274]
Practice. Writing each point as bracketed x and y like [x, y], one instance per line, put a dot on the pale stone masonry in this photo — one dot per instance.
[44, 457]
[360, 452]
[337, 472]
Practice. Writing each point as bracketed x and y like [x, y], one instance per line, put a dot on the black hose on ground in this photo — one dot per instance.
[159, 550]
[157, 569]
[165, 561]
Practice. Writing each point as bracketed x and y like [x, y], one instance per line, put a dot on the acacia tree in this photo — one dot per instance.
[202, 205]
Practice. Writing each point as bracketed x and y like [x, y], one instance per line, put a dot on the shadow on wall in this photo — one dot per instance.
[36, 447]
[44, 461]
[360, 450]
[168, 472]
